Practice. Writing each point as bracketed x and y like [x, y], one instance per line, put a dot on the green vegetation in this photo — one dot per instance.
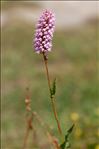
[73, 61]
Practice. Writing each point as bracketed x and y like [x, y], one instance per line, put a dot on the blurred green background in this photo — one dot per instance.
[73, 61]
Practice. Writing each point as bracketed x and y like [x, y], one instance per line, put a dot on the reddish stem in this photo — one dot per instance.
[52, 98]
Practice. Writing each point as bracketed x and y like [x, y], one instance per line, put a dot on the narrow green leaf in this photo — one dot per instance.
[70, 129]
[66, 143]
[53, 89]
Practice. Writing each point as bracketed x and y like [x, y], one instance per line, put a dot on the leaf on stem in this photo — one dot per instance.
[53, 89]
[66, 143]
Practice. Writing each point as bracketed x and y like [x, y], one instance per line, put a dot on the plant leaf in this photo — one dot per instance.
[70, 129]
[66, 143]
[53, 89]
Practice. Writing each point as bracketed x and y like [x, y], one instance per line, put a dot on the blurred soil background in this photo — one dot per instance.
[73, 61]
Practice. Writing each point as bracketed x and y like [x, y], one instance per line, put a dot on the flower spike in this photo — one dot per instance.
[44, 32]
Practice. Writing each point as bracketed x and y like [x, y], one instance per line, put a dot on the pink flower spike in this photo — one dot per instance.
[44, 32]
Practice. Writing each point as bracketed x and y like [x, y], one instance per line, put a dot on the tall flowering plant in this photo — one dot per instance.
[42, 43]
